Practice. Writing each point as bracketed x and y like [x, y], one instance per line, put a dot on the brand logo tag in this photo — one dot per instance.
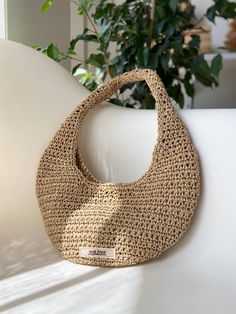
[97, 252]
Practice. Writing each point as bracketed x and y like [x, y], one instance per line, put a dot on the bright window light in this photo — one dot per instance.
[2, 19]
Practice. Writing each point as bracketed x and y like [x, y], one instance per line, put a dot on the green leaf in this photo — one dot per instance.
[195, 42]
[164, 62]
[205, 80]
[220, 5]
[161, 12]
[162, 48]
[229, 12]
[71, 52]
[173, 5]
[83, 6]
[180, 100]
[153, 59]
[80, 10]
[112, 70]
[75, 68]
[74, 41]
[98, 13]
[37, 47]
[189, 88]
[116, 101]
[46, 5]
[177, 45]
[86, 37]
[160, 26]
[53, 52]
[211, 14]
[142, 56]
[171, 27]
[149, 101]
[97, 60]
[174, 91]
[221, 8]
[216, 65]
[188, 84]
[202, 71]
[104, 39]
[105, 27]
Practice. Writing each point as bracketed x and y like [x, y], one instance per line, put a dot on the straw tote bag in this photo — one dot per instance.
[119, 224]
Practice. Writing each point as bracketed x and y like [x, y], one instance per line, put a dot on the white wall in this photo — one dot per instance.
[26, 24]
[77, 24]
[2, 19]
[223, 96]
[219, 30]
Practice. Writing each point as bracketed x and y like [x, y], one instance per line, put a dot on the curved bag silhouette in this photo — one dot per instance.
[119, 224]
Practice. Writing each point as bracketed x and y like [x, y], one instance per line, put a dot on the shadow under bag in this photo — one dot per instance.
[119, 224]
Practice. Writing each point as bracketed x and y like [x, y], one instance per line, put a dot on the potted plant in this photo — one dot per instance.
[159, 34]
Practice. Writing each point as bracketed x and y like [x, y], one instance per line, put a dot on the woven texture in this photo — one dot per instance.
[141, 219]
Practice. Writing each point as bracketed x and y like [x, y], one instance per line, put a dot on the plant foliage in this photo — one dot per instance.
[146, 34]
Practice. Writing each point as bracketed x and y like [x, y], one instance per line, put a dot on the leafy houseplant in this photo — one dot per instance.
[146, 34]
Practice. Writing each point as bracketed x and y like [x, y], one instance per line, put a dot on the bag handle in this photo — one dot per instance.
[111, 87]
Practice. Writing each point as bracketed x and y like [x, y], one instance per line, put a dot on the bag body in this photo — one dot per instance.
[119, 224]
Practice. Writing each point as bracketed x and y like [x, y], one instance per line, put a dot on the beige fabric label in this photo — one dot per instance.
[97, 252]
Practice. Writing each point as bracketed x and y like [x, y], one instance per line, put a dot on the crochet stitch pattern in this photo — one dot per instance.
[139, 220]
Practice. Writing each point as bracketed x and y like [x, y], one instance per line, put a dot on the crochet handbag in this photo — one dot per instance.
[119, 224]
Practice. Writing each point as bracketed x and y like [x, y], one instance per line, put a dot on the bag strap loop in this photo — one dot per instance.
[111, 87]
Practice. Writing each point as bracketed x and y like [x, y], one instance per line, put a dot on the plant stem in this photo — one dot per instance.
[98, 38]
[151, 26]
[76, 59]
[198, 21]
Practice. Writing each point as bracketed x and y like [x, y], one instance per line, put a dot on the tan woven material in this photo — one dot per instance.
[137, 221]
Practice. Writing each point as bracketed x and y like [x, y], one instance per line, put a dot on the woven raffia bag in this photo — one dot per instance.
[119, 224]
